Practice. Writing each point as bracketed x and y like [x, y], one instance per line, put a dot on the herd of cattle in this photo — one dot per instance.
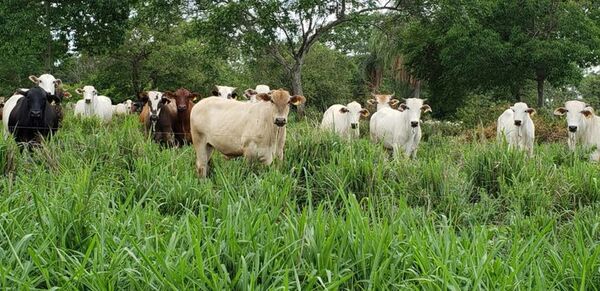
[255, 128]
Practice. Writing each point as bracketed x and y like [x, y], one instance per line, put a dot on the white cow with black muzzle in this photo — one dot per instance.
[516, 127]
[93, 104]
[399, 131]
[583, 126]
[344, 120]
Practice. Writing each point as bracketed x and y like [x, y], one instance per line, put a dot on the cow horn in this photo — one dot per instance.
[393, 94]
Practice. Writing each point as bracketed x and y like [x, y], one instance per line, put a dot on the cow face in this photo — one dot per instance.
[46, 82]
[520, 112]
[128, 105]
[577, 113]
[36, 99]
[225, 92]
[280, 103]
[413, 107]
[155, 100]
[89, 93]
[354, 112]
[182, 98]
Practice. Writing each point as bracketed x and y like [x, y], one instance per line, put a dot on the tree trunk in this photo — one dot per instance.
[540, 92]
[297, 84]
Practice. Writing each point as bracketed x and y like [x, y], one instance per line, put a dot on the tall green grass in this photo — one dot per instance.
[102, 207]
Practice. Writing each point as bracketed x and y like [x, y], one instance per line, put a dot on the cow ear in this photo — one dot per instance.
[165, 100]
[263, 97]
[588, 112]
[403, 106]
[560, 111]
[234, 95]
[57, 82]
[425, 108]
[79, 91]
[193, 96]
[371, 101]
[297, 100]
[531, 111]
[364, 113]
[344, 110]
[143, 96]
[34, 79]
[394, 102]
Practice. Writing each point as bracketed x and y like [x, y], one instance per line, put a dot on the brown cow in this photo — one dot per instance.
[157, 116]
[181, 125]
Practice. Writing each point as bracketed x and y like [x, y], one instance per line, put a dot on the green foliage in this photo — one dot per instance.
[590, 89]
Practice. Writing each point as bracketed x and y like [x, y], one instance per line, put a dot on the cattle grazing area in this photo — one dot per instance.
[102, 206]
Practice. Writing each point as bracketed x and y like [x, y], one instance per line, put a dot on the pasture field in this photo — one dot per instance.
[103, 208]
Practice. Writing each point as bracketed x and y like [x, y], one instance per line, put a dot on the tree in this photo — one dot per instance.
[285, 30]
[590, 89]
[478, 46]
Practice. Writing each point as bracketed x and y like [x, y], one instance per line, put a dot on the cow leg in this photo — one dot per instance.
[203, 153]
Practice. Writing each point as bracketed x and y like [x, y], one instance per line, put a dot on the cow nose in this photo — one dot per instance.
[181, 108]
[36, 113]
[88, 100]
[154, 117]
[518, 122]
[280, 121]
[572, 128]
[354, 125]
[414, 123]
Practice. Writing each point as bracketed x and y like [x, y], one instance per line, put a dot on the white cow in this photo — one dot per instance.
[583, 126]
[343, 120]
[383, 101]
[46, 82]
[93, 104]
[399, 130]
[253, 130]
[123, 108]
[516, 127]
[251, 94]
[225, 92]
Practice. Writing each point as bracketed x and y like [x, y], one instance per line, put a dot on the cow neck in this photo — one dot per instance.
[266, 120]
[589, 129]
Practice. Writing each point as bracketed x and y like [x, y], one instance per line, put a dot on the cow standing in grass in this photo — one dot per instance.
[253, 130]
[583, 126]
[157, 116]
[31, 116]
[181, 124]
[93, 104]
[344, 120]
[399, 131]
[516, 127]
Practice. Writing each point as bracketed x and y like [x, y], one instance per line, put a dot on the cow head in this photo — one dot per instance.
[46, 82]
[36, 100]
[182, 98]
[381, 100]
[577, 113]
[128, 105]
[520, 112]
[280, 103]
[89, 93]
[155, 100]
[224, 92]
[354, 112]
[413, 107]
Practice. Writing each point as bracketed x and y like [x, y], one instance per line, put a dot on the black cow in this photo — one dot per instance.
[33, 116]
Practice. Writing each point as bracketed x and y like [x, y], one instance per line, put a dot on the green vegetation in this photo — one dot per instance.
[101, 207]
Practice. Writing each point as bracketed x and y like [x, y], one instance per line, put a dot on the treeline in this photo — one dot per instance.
[456, 54]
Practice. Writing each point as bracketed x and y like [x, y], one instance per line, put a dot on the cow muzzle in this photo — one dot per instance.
[35, 113]
[414, 123]
[280, 121]
[181, 108]
[518, 122]
[154, 117]
[354, 125]
[572, 128]
[88, 101]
